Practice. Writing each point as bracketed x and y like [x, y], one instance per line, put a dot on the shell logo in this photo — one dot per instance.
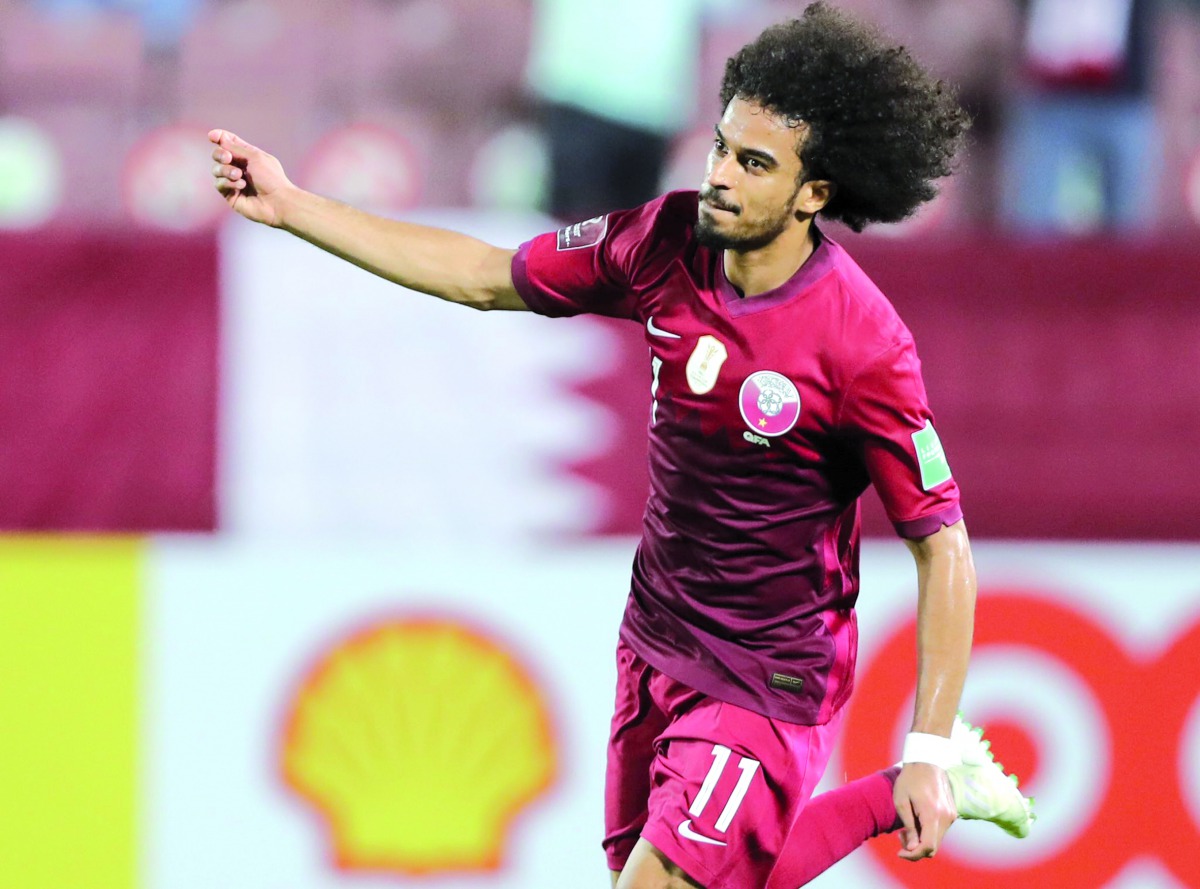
[419, 742]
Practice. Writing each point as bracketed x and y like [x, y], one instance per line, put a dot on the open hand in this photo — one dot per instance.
[251, 181]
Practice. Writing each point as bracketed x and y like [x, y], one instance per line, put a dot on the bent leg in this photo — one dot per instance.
[833, 825]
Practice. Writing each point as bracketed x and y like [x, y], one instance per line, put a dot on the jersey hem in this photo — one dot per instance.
[810, 716]
[914, 529]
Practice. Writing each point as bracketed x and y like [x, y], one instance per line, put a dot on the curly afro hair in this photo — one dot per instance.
[874, 122]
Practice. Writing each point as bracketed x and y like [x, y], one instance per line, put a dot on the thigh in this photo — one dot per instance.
[649, 868]
[725, 787]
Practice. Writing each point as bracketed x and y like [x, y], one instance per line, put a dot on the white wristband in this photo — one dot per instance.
[933, 749]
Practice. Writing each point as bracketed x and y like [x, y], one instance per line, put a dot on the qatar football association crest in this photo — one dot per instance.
[770, 403]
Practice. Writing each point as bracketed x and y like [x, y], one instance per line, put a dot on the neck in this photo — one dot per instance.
[758, 271]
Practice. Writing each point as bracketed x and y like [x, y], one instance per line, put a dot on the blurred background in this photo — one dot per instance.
[310, 582]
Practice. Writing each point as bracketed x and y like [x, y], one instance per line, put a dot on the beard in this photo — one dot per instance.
[743, 235]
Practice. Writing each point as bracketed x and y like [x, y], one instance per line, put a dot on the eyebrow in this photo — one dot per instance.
[768, 160]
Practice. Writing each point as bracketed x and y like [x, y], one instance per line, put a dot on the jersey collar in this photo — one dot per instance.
[815, 267]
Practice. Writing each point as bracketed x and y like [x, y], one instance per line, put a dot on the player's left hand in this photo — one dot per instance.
[926, 807]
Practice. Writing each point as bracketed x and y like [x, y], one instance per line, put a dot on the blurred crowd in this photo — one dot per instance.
[1087, 112]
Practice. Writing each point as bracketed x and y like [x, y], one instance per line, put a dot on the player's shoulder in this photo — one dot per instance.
[871, 322]
[680, 207]
[657, 231]
[668, 219]
[674, 211]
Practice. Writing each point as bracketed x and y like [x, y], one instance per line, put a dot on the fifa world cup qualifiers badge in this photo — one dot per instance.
[588, 233]
[770, 403]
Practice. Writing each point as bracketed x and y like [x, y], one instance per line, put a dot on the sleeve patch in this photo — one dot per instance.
[588, 233]
[931, 457]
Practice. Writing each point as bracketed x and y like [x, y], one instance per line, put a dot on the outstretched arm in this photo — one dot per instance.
[446, 264]
[945, 625]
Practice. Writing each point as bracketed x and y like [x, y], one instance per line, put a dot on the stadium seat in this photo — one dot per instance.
[83, 57]
[92, 147]
[254, 67]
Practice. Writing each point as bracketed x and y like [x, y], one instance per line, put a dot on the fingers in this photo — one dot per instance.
[909, 835]
[931, 825]
[922, 842]
[227, 171]
[228, 179]
[230, 155]
[228, 147]
[224, 137]
[907, 817]
[228, 188]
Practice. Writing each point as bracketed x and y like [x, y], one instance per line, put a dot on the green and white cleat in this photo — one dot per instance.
[982, 791]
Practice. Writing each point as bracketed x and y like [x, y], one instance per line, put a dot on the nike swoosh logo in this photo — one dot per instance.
[685, 831]
[655, 330]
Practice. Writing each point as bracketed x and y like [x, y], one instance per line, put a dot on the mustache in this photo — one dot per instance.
[712, 197]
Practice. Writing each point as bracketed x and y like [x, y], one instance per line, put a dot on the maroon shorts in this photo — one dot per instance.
[712, 786]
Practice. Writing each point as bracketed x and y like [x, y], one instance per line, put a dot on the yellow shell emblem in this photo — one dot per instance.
[419, 742]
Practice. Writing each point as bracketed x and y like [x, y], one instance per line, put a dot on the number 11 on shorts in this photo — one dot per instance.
[721, 756]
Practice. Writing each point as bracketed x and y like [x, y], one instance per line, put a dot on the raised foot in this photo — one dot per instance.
[982, 790]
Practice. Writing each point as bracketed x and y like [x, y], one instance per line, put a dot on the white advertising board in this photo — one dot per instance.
[268, 763]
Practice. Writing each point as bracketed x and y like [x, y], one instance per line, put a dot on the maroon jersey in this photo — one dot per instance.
[770, 415]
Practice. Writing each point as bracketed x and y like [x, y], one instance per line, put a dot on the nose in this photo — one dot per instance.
[721, 170]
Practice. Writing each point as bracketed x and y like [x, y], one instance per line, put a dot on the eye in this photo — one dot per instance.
[719, 146]
[754, 164]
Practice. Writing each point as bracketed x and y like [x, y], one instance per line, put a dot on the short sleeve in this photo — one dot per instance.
[586, 267]
[886, 412]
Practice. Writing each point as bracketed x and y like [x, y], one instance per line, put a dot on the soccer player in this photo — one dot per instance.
[784, 383]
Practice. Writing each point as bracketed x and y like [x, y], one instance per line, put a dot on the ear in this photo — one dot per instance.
[814, 195]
